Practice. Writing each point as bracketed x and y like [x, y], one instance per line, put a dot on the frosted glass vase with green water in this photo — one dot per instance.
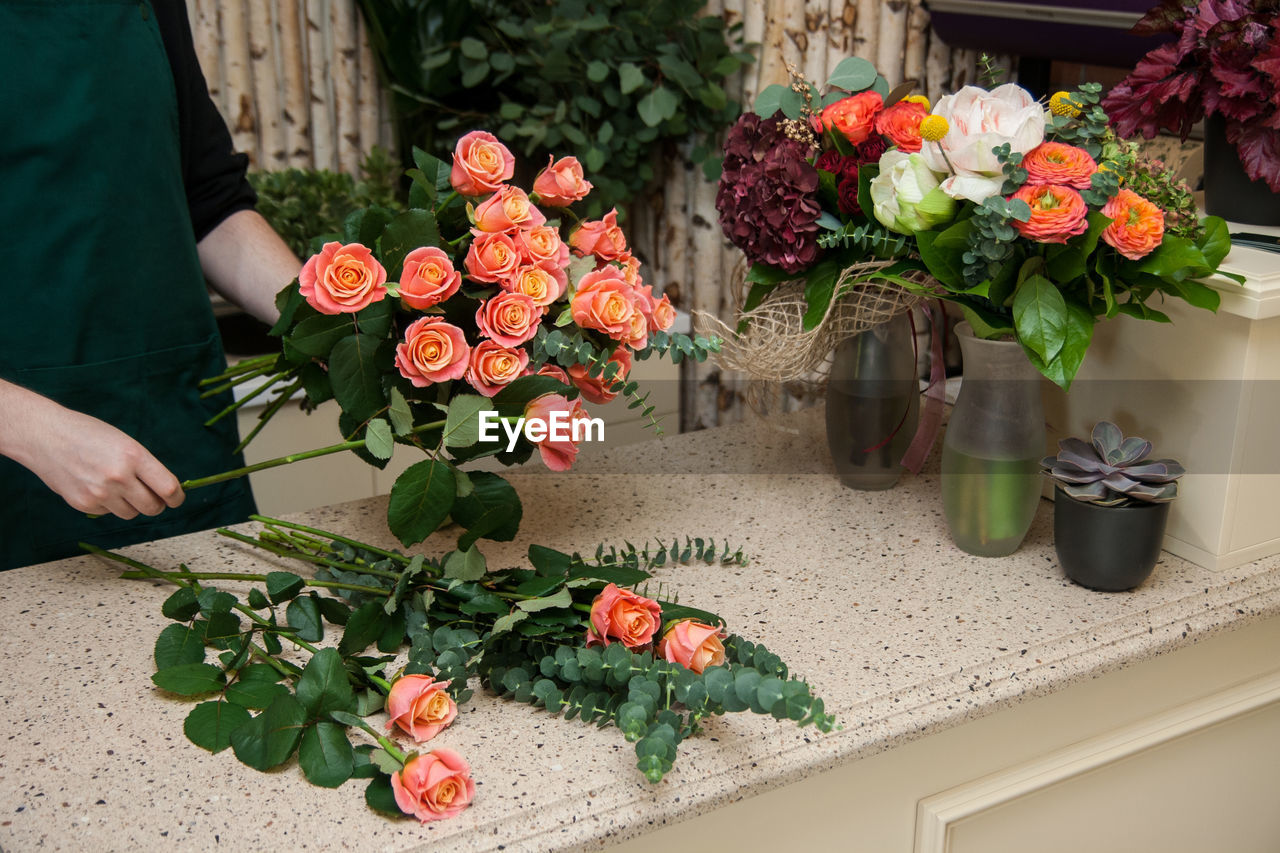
[992, 448]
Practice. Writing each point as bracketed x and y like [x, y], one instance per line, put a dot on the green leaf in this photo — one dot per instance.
[462, 424]
[1079, 332]
[346, 718]
[323, 686]
[270, 738]
[657, 106]
[254, 694]
[1040, 316]
[210, 724]
[259, 672]
[630, 78]
[1216, 241]
[769, 101]
[303, 615]
[945, 264]
[363, 628]
[468, 565]
[380, 797]
[385, 761]
[400, 413]
[325, 755]
[421, 498]
[491, 511]
[563, 598]
[549, 562]
[315, 336]
[473, 48]
[356, 379]
[282, 586]
[178, 644]
[1197, 294]
[257, 600]
[410, 230]
[1176, 258]
[503, 624]
[597, 71]
[819, 289]
[853, 74]
[182, 605]
[378, 440]
[190, 679]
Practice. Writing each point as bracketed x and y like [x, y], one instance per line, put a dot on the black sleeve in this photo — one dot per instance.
[213, 174]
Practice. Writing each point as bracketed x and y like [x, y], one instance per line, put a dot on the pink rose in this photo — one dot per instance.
[604, 302]
[600, 237]
[508, 208]
[433, 351]
[659, 312]
[420, 706]
[595, 389]
[492, 257]
[624, 616]
[342, 279]
[480, 164]
[536, 283]
[428, 278]
[542, 246]
[558, 448]
[561, 183]
[509, 318]
[630, 268]
[693, 645]
[434, 786]
[637, 336]
[494, 367]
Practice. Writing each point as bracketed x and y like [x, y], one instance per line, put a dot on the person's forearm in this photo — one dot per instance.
[247, 263]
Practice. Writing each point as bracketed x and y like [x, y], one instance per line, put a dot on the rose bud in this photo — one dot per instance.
[420, 706]
[561, 183]
[600, 237]
[434, 786]
[693, 645]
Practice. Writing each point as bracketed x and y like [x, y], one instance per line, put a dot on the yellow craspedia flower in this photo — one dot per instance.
[919, 99]
[1062, 105]
[1108, 166]
[933, 128]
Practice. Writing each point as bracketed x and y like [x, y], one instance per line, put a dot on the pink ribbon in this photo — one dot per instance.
[935, 396]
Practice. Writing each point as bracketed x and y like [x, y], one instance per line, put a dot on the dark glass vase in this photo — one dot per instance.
[873, 404]
[1228, 191]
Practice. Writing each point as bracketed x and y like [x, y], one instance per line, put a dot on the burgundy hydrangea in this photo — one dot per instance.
[768, 195]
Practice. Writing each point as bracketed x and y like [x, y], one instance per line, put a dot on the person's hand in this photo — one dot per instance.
[90, 464]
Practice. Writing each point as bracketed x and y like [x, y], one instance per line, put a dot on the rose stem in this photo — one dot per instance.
[326, 536]
[386, 743]
[267, 414]
[239, 379]
[236, 404]
[309, 558]
[239, 367]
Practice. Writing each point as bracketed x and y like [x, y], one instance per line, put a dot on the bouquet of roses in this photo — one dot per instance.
[480, 305]
[1016, 210]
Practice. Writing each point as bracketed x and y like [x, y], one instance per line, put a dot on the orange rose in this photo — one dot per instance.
[491, 258]
[604, 302]
[900, 123]
[595, 389]
[542, 246]
[538, 284]
[600, 237]
[1137, 225]
[509, 318]
[433, 351]
[428, 278]
[434, 786]
[1057, 213]
[342, 279]
[630, 268]
[559, 447]
[622, 615]
[508, 208]
[659, 312]
[693, 645]
[420, 706]
[561, 183]
[854, 116]
[1059, 163]
[480, 164]
[637, 336]
[494, 367]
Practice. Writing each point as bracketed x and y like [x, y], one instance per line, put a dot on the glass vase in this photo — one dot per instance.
[873, 404]
[992, 449]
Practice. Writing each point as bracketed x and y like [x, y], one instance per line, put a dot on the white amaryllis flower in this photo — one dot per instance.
[979, 121]
[907, 196]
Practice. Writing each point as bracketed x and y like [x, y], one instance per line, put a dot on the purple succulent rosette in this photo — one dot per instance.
[1110, 469]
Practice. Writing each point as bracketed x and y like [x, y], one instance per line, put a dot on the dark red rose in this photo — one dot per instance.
[847, 195]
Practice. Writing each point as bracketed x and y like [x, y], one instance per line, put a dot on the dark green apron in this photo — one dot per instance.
[104, 305]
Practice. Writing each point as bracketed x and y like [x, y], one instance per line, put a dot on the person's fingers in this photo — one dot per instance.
[161, 482]
[142, 499]
[118, 506]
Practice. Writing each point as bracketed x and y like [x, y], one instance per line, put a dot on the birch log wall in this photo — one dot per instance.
[294, 79]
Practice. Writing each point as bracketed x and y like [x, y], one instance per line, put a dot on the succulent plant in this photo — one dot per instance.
[1111, 470]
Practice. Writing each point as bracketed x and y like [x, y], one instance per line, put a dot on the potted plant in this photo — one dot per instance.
[1223, 64]
[1111, 507]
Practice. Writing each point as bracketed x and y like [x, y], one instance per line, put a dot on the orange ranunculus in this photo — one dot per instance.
[900, 123]
[622, 615]
[342, 279]
[605, 303]
[509, 318]
[428, 278]
[600, 237]
[494, 367]
[433, 351]
[1057, 213]
[561, 183]
[434, 786]
[491, 257]
[420, 706]
[1059, 163]
[480, 164]
[854, 116]
[693, 645]
[508, 208]
[1137, 225]
[595, 389]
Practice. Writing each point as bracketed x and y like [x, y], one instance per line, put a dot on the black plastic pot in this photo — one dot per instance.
[1228, 191]
[1108, 548]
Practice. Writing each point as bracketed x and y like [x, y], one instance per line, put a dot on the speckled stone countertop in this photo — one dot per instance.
[861, 592]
